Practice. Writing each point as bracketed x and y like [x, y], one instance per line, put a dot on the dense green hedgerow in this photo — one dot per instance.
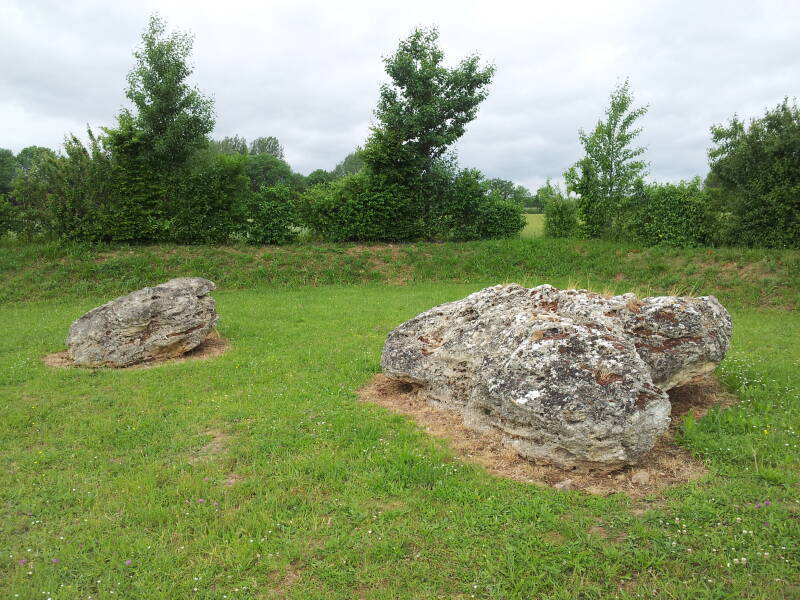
[271, 216]
[666, 214]
[365, 206]
[209, 203]
[755, 169]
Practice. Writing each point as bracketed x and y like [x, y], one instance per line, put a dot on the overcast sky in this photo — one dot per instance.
[309, 72]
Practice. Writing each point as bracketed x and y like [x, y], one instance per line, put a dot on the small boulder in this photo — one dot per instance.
[566, 377]
[153, 323]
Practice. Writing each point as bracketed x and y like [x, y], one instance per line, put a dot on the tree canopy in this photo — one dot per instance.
[8, 168]
[502, 189]
[172, 118]
[610, 169]
[756, 168]
[425, 107]
[267, 145]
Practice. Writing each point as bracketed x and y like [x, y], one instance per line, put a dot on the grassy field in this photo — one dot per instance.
[534, 227]
[738, 276]
[258, 474]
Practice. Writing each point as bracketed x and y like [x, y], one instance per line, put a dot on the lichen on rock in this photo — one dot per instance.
[567, 377]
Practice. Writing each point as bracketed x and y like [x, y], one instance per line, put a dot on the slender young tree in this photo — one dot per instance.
[611, 168]
[152, 144]
[172, 117]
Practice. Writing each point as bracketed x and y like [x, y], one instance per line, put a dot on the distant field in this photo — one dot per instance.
[535, 226]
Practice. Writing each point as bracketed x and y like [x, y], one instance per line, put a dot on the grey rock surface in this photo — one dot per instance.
[157, 322]
[567, 377]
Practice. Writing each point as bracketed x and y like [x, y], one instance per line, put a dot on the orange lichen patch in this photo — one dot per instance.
[669, 343]
[667, 464]
[634, 306]
[605, 376]
[214, 345]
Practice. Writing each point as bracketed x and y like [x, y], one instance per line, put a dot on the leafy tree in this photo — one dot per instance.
[502, 189]
[351, 164]
[267, 145]
[153, 145]
[319, 176]
[230, 145]
[421, 113]
[409, 186]
[268, 170]
[27, 155]
[424, 109]
[547, 193]
[172, 118]
[756, 167]
[8, 168]
[611, 168]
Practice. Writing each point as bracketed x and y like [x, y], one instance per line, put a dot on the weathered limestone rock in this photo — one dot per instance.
[678, 337]
[566, 376]
[152, 323]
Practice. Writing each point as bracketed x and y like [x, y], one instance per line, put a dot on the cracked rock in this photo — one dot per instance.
[157, 322]
[567, 377]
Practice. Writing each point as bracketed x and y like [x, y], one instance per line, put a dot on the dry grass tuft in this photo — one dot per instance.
[214, 447]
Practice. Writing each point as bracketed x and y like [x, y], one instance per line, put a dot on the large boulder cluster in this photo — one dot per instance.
[567, 377]
[153, 323]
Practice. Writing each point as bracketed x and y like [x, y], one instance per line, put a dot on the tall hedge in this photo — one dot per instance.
[270, 216]
[208, 202]
[756, 169]
[366, 206]
[666, 215]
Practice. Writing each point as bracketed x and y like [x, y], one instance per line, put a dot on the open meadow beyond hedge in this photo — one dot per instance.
[258, 474]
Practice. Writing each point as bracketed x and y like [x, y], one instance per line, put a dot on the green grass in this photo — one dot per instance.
[534, 227]
[739, 277]
[337, 499]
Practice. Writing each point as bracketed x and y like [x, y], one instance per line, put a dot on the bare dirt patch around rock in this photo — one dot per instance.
[667, 464]
[214, 345]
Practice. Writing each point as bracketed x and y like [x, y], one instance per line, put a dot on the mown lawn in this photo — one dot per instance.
[258, 474]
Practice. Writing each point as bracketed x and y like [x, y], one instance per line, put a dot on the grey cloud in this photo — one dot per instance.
[309, 72]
